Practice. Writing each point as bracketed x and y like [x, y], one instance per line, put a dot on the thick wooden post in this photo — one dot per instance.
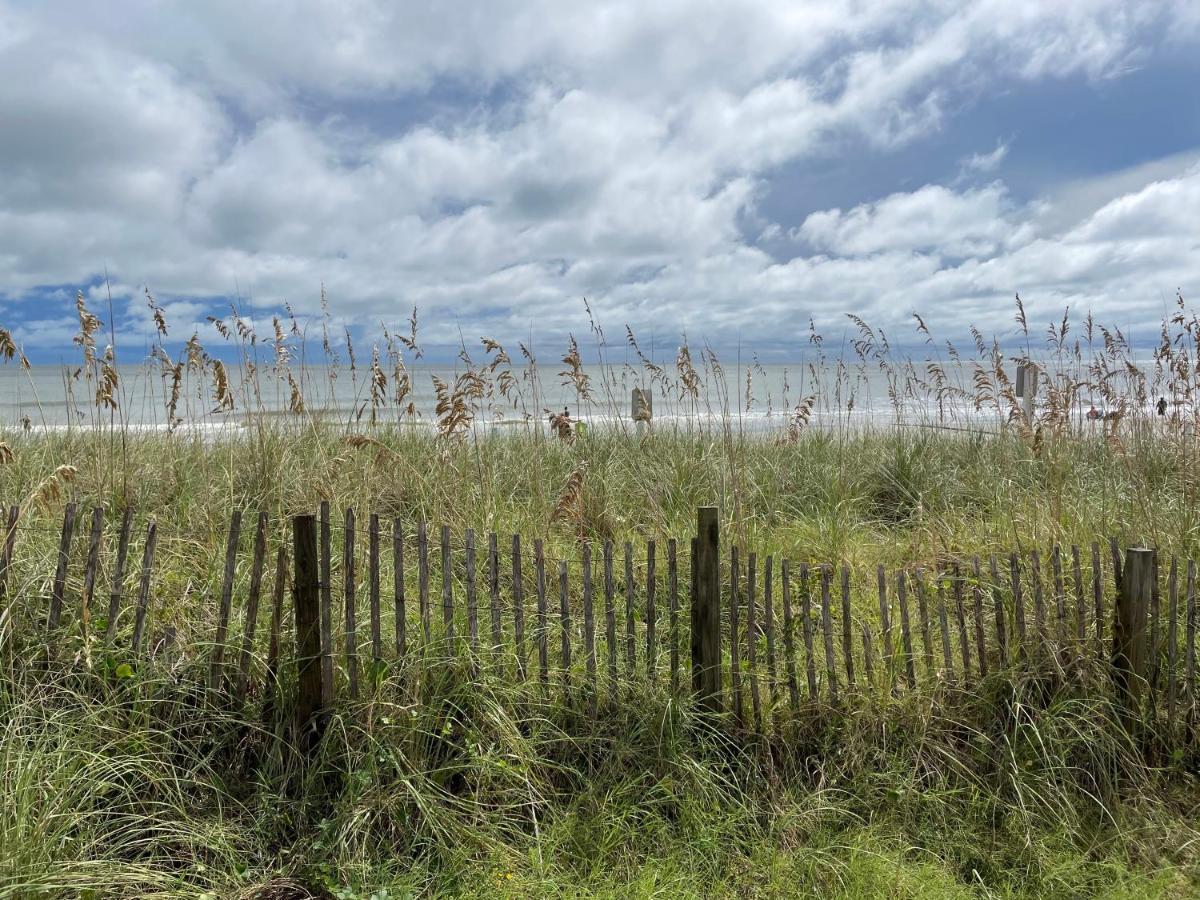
[1129, 656]
[307, 603]
[706, 612]
[1027, 388]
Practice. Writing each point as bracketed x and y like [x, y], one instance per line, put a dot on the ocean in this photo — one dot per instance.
[758, 397]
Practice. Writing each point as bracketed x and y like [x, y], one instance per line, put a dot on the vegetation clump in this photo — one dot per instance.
[124, 777]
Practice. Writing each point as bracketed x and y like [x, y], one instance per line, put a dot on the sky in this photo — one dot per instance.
[726, 170]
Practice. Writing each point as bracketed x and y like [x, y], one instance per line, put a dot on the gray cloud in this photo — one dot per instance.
[621, 154]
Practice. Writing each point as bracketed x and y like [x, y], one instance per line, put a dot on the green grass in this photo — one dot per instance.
[885, 496]
[462, 786]
[144, 790]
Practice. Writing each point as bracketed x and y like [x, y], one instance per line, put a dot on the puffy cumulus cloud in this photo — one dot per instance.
[91, 126]
[935, 219]
[492, 163]
[1121, 259]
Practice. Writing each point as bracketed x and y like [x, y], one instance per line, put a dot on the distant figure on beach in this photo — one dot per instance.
[1093, 414]
[1162, 406]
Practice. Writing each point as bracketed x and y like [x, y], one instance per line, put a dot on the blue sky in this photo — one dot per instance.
[725, 169]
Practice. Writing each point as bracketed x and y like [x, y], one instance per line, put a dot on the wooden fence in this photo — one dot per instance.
[766, 635]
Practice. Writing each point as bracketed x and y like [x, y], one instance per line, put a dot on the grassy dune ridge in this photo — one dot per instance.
[469, 784]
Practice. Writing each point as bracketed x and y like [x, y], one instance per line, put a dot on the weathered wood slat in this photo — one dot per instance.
[789, 638]
[923, 611]
[494, 593]
[564, 613]
[806, 629]
[630, 629]
[847, 625]
[539, 565]
[472, 598]
[399, 599]
[1060, 597]
[60, 571]
[373, 588]
[1039, 600]
[752, 638]
[610, 614]
[1155, 647]
[216, 673]
[1172, 637]
[1190, 635]
[1098, 599]
[326, 625]
[143, 601]
[252, 601]
[92, 567]
[998, 603]
[735, 644]
[447, 590]
[423, 579]
[673, 611]
[944, 625]
[271, 685]
[885, 627]
[118, 581]
[868, 654]
[10, 538]
[1014, 566]
[964, 642]
[977, 597]
[1080, 601]
[589, 622]
[769, 629]
[518, 602]
[308, 632]
[349, 594]
[706, 612]
[827, 632]
[651, 611]
[1115, 550]
[905, 632]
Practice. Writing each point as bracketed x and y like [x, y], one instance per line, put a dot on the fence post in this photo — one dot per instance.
[306, 585]
[641, 409]
[1129, 657]
[1027, 389]
[706, 613]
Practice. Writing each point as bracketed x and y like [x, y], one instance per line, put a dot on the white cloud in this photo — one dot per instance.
[984, 163]
[934, 219]
[622, 155]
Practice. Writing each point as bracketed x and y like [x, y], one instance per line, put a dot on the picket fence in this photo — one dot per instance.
[750, 636]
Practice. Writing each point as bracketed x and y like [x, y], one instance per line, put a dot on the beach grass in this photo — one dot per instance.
[133, 783]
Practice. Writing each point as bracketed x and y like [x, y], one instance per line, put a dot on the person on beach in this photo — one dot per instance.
[1162, 406]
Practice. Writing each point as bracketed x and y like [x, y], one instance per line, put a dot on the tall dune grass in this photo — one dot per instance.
[137, 785]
